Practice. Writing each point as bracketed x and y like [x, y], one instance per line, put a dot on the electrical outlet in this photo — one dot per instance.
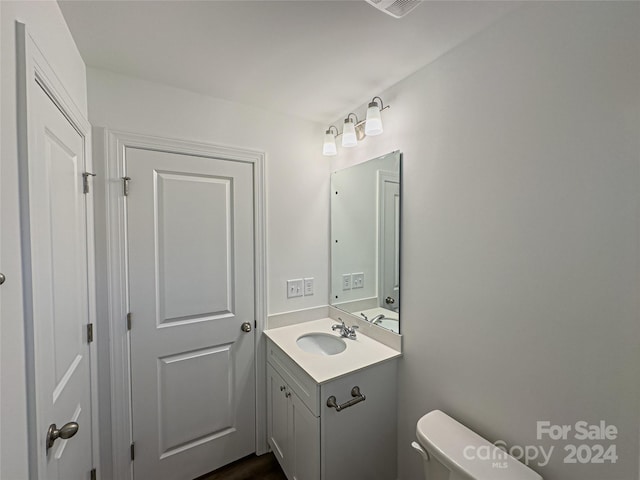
[346, 281]
[357, 280]
[308, 286]
[294, 288]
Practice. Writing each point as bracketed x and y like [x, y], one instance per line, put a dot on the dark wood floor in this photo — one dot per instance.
[264, 467]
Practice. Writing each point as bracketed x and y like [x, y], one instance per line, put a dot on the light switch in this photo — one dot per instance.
[308, 286]
[357, 280]
[294, 288]
[346, 281]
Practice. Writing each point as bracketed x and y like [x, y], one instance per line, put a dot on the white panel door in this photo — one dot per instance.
[59, 270]
[191, 287]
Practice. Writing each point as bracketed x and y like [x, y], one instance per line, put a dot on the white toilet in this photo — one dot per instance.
[453, 452]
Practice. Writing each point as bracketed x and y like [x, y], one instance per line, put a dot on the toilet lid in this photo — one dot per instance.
[465, 453]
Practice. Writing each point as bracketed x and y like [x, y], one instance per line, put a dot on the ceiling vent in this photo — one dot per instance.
[395, 8]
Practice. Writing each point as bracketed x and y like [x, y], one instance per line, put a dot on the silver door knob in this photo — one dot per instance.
[68, 430]
[389, 300]
[246, 327]
[2, 278]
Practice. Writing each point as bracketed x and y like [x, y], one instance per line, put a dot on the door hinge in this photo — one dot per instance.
[129, 321]
[85, 181]
[133, 451]
[89, 332]
[93, 474]
[125, 185]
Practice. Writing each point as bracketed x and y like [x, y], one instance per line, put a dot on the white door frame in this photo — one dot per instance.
[114, 144]
[33, 69]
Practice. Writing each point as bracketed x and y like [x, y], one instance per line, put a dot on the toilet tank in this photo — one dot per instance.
[448, 449]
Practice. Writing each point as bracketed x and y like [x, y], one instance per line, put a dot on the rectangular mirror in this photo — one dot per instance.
[365, 240]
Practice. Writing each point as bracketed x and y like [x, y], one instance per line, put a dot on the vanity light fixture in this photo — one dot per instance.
[373, 125]
[349, 138]
[355, 130]
[329, 148]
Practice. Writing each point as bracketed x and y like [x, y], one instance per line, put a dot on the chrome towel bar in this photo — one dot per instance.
[355, 392]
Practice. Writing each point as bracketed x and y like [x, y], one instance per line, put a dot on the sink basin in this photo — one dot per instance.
[321, 343]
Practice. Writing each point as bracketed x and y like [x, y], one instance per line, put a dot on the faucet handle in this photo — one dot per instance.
[340, 325]
[351, 331]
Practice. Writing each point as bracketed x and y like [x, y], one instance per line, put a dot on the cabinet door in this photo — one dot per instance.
[360, 442]
[278, 422]
[305, 442]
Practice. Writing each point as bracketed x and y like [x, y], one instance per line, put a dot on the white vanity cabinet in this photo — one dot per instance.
[313, 441]
[294, 431]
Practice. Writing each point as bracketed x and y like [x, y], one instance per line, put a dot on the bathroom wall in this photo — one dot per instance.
[297, 176]
[521, 220]
[47, 26]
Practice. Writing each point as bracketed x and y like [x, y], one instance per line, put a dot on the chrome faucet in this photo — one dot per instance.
[347, 332]
[373, 320]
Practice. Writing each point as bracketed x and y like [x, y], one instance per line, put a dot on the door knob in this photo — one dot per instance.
[68, 430]
[389, 300]
[246, 327]
[2, 278]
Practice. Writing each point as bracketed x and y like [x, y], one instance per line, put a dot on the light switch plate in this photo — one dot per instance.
[357, 280]
[294, 288]
[308, 286]
[346, 281]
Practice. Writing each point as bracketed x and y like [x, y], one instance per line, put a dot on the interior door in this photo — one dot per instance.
[191, 287]
[389, 242]
[60, 292]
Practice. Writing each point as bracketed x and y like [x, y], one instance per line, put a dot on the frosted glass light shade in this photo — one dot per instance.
[329, 147]
[349, 138]
[373, 125]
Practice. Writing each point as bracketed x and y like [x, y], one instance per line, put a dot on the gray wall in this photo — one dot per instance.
[521, 198]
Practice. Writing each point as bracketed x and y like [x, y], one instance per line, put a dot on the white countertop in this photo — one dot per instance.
[361, 352]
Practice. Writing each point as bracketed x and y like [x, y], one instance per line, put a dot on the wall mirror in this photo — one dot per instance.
[365, 240]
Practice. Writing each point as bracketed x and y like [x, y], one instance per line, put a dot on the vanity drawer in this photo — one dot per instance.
[299, 381]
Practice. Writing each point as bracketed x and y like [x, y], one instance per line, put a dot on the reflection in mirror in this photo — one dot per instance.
[365, 240]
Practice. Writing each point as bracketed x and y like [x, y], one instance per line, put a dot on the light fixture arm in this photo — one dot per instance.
[382, 107]
[348, 116]
[335, 128]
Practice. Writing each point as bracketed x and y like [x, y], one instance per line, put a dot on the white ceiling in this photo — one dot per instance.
[312, 59]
